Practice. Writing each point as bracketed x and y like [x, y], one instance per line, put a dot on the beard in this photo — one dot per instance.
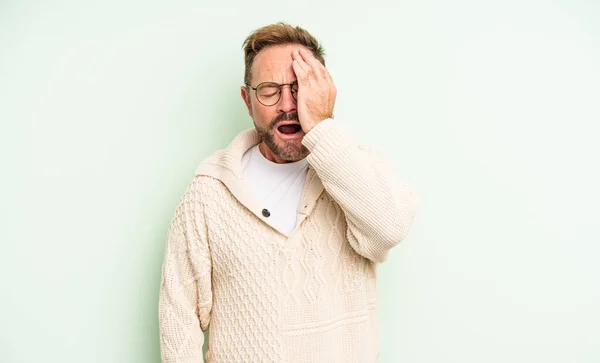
[290, 150]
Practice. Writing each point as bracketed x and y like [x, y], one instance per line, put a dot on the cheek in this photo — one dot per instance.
[262, 115]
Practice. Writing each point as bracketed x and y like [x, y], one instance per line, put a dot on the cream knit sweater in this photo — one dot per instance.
[269, 297]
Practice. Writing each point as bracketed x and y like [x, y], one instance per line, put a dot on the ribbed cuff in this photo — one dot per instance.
[326, 141]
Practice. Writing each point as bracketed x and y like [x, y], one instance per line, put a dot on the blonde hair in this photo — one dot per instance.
[278, 34]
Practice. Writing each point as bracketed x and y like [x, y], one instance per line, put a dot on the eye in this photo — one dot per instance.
[267, 90]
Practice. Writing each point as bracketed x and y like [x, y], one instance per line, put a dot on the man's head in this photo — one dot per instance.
[268, 58]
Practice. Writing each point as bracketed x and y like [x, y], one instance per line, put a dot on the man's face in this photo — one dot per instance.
[277, 125]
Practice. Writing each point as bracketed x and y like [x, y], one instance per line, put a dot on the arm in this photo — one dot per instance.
[379, 208]
[185, 291]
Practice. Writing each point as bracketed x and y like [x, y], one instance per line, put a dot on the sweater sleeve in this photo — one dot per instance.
[185, 299]
[378, 206]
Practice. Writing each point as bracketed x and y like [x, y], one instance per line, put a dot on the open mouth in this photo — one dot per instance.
[289, 128]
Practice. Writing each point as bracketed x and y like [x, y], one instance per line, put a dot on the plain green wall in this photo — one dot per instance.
[489, 108]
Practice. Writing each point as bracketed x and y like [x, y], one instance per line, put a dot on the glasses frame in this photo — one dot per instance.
[280, 86]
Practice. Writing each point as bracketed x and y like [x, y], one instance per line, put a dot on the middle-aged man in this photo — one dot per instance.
[276, 241]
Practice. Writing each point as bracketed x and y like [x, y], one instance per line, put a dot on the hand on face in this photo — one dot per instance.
[316, 91]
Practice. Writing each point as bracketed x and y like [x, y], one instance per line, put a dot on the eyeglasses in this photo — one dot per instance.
[269, 93]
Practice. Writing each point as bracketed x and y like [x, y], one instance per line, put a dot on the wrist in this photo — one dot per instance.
[309, 125]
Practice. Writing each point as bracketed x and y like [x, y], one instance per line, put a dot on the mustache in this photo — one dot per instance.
[284, 117]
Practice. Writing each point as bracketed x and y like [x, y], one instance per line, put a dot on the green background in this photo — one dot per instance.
[489, 108]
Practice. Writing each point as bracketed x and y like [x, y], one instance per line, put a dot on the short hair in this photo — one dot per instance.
[278, 34]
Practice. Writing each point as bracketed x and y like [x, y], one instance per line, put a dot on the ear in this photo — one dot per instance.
[246, 97]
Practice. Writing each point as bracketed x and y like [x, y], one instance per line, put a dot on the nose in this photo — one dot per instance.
[287, 103]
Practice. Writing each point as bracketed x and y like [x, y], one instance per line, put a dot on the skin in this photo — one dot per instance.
[316, 98]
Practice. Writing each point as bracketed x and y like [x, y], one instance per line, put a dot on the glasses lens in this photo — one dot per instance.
[268, 93]
[295, 90]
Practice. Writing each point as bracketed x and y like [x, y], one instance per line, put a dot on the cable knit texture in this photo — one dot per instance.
[268, 297]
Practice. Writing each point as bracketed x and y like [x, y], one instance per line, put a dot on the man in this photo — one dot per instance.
[275, 243]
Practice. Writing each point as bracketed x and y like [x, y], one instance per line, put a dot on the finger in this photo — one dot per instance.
[313, 70]
[298, 59]
[313, 62]
[301, 74]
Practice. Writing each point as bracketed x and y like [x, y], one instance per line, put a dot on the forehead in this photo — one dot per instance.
[274, 64]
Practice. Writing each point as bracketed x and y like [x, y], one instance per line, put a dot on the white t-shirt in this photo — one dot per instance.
[278, 187]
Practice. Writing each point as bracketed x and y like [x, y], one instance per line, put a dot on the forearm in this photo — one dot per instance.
[379, 208]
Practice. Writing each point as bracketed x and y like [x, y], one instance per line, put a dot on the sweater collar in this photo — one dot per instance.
[229, 160]
[225, 165]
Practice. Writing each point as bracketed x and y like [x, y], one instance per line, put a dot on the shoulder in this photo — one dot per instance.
[214, 159]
